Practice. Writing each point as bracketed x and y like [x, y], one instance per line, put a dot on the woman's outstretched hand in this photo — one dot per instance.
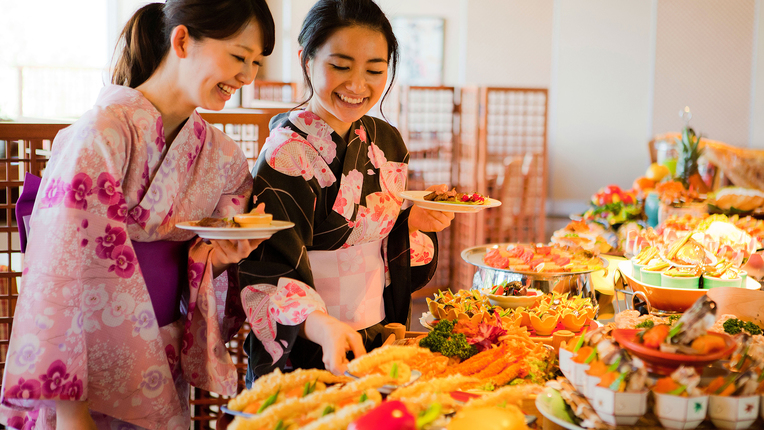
[429, 220]
[335, 338]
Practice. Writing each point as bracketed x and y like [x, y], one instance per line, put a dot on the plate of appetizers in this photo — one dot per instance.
[536, 260]
[450, 201]
[225, 228]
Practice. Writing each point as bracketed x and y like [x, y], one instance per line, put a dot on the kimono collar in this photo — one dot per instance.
[320, 133]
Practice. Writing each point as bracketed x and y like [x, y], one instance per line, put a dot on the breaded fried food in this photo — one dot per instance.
[511, 395]
[364, 364]
[420, 403]
[341, 419]
[301, 408]
[266, 385]
[444, 385]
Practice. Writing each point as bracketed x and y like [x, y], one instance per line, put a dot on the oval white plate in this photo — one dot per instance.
[387, 389]
[418, 198]
[234, 233]
[548, 414]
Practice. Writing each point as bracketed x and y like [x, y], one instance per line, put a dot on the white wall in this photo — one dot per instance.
[600, 96]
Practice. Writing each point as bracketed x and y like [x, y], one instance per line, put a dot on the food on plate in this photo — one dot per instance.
[515, 289]
[544, 321]
[315, 407]
[589, 235]
[683, 382]
[738, 384]
[582, 410]
[613, 206]
[277, 387]
[541, 258]
[442, 384]
[387, 360]
[442, 339]
[738, 198]
[464, 305]
[624, 374]
[454, 196]
[689, 334]
[254, 218]
[735, 326]
[509, 417]
[674, 192]
[217, 222]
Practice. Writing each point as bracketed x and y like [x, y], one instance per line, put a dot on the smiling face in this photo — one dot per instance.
[214, 69]
[348, 73]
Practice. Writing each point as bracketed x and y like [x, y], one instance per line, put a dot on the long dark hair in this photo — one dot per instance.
[145, 39]
[328, 16]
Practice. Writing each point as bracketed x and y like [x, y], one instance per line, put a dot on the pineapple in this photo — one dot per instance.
[687, 168]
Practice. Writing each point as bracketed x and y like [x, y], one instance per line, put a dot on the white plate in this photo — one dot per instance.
[547, 413]
[234, 233]
[387, 389]
[427, 320]
[418, 198]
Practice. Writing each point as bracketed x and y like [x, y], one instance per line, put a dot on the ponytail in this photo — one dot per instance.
[144, 46]
[145, 39]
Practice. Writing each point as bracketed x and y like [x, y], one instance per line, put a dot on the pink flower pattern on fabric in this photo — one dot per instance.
[422, 249]
[267, 305]
[87, 328]
[376, 156]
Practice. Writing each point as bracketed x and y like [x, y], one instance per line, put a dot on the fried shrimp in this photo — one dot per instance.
[365, 363]
[283, 383]
[512, 395]
[446, 385]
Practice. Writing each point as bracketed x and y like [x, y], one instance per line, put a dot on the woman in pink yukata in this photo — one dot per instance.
[356, 253]
[120, 309]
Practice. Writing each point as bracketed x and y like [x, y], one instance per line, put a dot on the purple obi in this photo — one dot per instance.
[164, 265]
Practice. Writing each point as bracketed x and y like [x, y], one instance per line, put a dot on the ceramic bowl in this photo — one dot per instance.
[664, 363]
[713, 282]
[651, 277]
[566, 364]
[619, 409]
[589, 384]
[579, 376]
[574, 322]
[685, 282]
[636, 269]
[735, 413]
[672, 299]
[514, 302]
[680, 413]
[545, 325]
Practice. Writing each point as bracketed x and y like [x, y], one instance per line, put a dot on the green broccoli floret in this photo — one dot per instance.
[732, 326]
[442, 340]
[458, 346]
[645, 324]
[674, 318]
[751, 328]
[735, 326]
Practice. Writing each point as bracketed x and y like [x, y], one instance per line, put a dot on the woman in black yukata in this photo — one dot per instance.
[354, 256]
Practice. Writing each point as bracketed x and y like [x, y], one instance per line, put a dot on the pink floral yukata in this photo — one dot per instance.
[84, 327]
[342, 196]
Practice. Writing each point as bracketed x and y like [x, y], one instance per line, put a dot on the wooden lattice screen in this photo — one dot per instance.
[428, 119]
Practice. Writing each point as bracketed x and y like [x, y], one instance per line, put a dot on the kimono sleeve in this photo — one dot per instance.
[279, 292]
[84, 326]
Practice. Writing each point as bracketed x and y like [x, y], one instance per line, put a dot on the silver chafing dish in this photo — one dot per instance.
[576, 283]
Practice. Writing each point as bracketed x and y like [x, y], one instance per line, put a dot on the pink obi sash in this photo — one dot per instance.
[351, 282]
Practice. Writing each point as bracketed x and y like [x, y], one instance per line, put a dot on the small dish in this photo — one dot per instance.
[579, 376]
[680, 413]
[574, 322]
[617, 408]
[686, 282]
[544, 325]
[235, 233]
[636, 269]
[664, 363]
[589, 384]
[734, 413]
[514, 302]
[418, 198]
[651, 277]
[714, 282]
[566, 364]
